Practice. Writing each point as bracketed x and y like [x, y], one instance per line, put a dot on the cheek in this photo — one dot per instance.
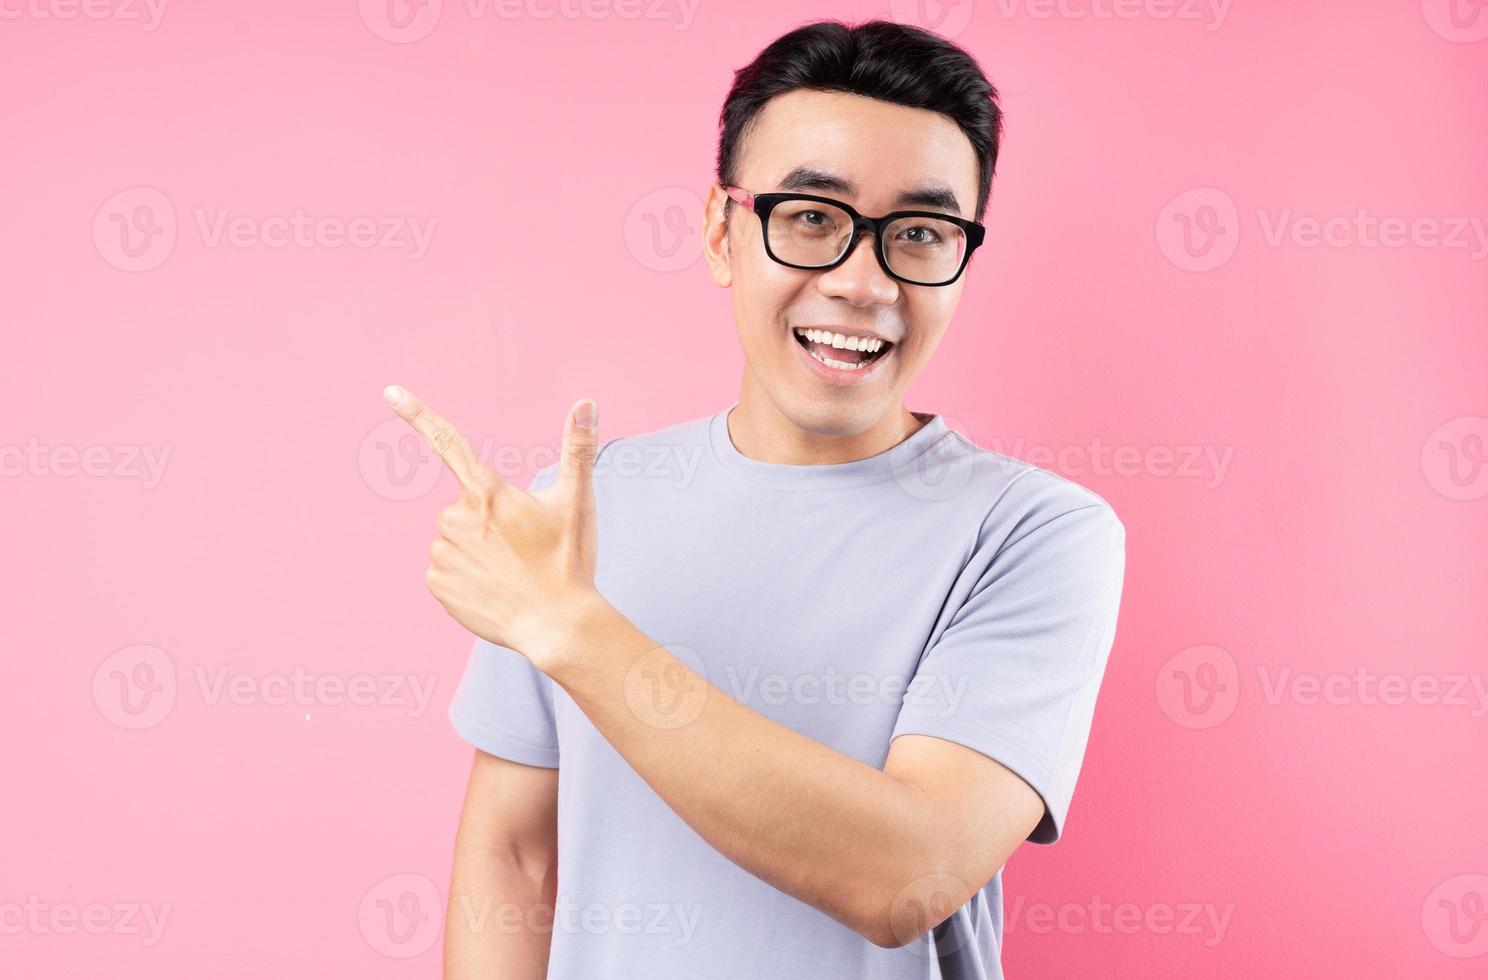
[761, 296]
[928, 324]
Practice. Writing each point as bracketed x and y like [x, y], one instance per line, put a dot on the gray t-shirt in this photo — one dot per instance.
[937, 588]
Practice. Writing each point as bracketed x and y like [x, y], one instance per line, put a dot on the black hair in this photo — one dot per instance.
[880, 60]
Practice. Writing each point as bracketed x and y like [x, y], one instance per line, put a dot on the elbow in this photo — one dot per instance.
[885, 940]
[909, 883]
[876, 916]
[890, 927]
[900, 919]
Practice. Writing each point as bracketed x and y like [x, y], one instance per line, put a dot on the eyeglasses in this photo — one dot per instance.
[922, 248]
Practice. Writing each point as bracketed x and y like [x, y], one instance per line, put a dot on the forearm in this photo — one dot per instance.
[498, 925]
[822, 826]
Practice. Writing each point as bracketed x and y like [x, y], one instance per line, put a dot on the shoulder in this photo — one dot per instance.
[1016, 497]
[685, 435]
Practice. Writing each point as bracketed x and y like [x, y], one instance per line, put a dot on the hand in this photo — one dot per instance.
[513, 567]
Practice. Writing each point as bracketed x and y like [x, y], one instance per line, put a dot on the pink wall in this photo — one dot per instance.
[1285, 778]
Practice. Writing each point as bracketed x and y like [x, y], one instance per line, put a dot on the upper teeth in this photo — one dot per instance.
[869, 344]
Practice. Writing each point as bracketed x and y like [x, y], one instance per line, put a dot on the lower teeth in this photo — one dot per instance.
[842, 365]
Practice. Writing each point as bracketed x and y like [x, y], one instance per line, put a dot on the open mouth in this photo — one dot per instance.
[844, 352]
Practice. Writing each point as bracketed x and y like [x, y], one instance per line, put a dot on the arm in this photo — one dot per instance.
[887, 853]
[505, 878]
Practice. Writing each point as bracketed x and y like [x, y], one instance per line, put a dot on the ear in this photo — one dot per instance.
[716, 245]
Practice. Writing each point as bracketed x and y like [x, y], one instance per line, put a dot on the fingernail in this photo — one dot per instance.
[586, 416]
[393, 394]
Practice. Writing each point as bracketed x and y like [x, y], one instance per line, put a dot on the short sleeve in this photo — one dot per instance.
[503, 705]
[1027, 648]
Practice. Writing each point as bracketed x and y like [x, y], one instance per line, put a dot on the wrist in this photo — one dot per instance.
[561, 638]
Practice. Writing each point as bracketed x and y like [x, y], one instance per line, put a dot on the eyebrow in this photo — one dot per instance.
[807, 178]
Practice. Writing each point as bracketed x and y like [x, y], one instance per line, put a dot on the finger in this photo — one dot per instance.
[441, 435]
[580, 446]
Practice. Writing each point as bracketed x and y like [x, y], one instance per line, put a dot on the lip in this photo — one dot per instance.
[839, 376]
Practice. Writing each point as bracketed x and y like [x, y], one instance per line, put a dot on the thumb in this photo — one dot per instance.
[580, 446]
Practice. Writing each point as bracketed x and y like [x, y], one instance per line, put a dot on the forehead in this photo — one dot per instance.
[876, 155]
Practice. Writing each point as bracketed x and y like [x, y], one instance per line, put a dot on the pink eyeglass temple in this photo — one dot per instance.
[741, 195]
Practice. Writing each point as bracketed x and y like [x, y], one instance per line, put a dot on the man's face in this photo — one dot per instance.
[876, 151]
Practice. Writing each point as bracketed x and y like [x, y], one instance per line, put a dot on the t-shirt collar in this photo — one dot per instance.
[793, 476]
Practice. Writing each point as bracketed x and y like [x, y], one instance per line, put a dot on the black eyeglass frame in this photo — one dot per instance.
[763, 204]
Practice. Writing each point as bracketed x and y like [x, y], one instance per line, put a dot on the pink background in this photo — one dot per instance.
[1111, 308]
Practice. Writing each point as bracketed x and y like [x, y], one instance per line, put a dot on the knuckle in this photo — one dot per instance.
[441, 437]
[585, 450]
[488, 495]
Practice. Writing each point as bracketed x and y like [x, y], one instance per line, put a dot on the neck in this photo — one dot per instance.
[760, 431]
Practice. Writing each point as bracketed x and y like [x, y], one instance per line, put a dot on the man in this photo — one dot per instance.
[775, 692]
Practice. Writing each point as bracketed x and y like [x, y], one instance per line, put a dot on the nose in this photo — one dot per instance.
[860, 280]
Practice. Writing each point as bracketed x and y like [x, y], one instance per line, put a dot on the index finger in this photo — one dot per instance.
[442, 436]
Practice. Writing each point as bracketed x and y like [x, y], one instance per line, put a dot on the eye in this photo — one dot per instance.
[815, 223]
[932, 237]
